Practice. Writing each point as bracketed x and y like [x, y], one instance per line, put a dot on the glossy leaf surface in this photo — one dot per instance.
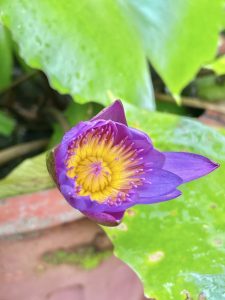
[86, 48]
[178, 245]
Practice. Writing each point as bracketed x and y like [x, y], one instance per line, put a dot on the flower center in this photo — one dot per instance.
[102, 169]
[93, 174]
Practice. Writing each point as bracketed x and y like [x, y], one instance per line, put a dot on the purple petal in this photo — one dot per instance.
[166, 197]
[188, 166]
[158, 182]
[153, 159]
[75, 131]
[160, 186]
[79, 202]
[114, 112]
[108, 219]
[139, 138]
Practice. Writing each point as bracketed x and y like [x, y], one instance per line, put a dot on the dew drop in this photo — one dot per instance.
[156, 256]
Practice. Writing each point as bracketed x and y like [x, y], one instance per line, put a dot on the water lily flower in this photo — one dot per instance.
[102, 167]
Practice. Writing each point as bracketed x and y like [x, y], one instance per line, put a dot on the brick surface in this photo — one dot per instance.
[35, 211]
[25, 276]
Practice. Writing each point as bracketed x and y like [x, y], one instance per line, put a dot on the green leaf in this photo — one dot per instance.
[7, 124]
[178, 36]
[218, 65]
[86, 48]
[5, 58]
[178, 245]
[30, 176]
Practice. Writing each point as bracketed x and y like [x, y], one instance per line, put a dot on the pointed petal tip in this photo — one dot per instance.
[118, 102]
[188, 166]
[114, 112]
[214, 166]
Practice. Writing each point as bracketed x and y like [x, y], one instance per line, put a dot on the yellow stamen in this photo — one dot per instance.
[103, 170]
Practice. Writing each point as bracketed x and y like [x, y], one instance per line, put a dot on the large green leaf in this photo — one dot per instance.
[86, 48]
[5, 58]
[178, 245]
[179, 36]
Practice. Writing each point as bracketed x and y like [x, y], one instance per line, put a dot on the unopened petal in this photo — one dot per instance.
[138, 137]
[114, 112]
[104, 218]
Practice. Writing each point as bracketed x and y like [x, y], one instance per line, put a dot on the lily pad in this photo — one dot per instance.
[177, 248]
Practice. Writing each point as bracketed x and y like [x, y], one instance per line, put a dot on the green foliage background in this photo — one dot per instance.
[97, 50]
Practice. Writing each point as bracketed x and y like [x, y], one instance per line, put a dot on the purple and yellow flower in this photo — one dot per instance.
[102, 167]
